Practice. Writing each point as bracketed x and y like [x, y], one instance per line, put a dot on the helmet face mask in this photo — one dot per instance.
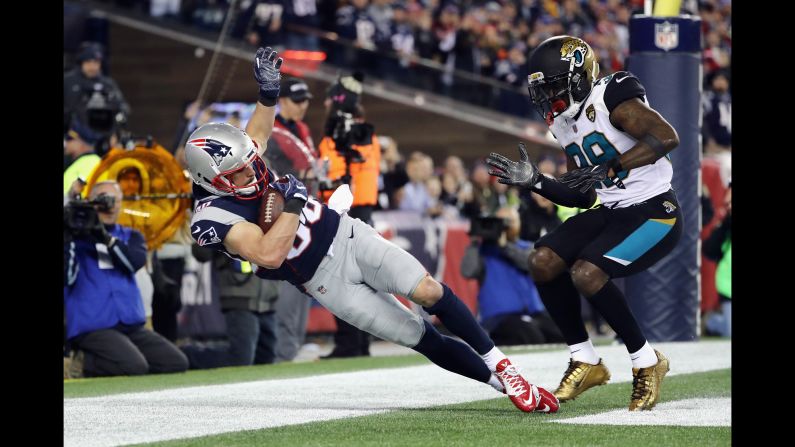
[552, 97]
[563, 70]
[224, 180]
[215, 152]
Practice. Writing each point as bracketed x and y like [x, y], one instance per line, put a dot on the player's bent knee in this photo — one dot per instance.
[427, 292]
[411, 333]
[545, 265]
[588, 278]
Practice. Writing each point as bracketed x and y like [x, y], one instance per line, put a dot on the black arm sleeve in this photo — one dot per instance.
[202, 254]
[130, 256]
[562, 194]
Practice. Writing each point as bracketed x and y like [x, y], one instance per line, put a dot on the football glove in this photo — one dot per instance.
[522, 173]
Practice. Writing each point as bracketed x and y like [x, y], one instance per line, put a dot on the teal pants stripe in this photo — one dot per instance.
[640, 241]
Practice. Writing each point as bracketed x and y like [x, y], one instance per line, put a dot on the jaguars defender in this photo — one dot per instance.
[617, 150]
[342, 262]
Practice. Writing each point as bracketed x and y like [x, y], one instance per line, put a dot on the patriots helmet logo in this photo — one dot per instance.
[215, 148]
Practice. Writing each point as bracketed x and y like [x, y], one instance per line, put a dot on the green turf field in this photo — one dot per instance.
[492, 422]
[496, 422]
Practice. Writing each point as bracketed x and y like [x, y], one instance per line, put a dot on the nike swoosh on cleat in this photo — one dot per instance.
[545, 409]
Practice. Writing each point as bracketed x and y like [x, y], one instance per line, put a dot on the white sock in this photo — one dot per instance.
[644, 357]
[496, 384]
[493, 357]
[584, 352]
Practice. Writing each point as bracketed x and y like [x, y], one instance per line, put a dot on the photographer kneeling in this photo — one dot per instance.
[104, 311]
[509, 305]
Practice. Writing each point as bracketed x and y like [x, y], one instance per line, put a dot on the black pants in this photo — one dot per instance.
[621, 241]
[134, 351]
[166, 300]
[252, 338]
[518, 329]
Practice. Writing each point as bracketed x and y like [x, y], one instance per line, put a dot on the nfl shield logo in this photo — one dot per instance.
[666, 35]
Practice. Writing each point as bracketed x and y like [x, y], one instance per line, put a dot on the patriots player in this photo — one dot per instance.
[342, 262]
[617, 149]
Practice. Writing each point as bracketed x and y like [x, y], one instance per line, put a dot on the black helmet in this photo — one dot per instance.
[563, 69]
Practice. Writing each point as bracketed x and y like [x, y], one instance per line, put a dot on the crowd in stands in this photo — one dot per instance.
[486, 38]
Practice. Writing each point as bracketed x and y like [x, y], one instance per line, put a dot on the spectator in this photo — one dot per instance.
[247, 303]
[292, 151]
[355, 24]
[456, 188]
[352, 148]
[131, 185]
[168, 269]
[167, 263]
[393, 173]
[144, 214]
[434, 187]
[415, 195]
[717, 104]
[718, 248]
[396, 36]
[86, 85]
[104, 311]
[79, 147]
[485, 199]
[717, 128]
[539, 215]
[259, 22]
[509, 305]
[300, 16]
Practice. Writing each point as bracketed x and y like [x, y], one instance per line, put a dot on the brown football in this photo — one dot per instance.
[270, 208]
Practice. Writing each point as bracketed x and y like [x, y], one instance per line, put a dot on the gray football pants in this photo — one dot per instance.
[357, 280]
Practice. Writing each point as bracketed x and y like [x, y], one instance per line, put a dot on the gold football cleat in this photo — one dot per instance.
[579, 377]
[646, 384]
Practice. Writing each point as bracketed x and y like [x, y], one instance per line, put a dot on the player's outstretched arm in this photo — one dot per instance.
[267, 250]
[524, 173]
[266, 72]
[656, 137]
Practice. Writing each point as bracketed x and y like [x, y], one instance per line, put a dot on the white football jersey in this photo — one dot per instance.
[591, 139]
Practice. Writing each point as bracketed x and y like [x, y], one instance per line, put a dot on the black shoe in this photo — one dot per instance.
[335, 354]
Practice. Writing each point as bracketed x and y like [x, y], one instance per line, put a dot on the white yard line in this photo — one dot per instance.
[702, 412]
[206, 410]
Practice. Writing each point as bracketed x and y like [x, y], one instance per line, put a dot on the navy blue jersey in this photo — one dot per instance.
[215, 215]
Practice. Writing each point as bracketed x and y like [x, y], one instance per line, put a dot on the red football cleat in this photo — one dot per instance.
[547, 403]
[523, 395]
